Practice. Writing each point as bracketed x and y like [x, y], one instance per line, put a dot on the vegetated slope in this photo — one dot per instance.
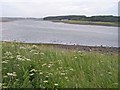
[93, 20]
[84, 18]
[43, 66]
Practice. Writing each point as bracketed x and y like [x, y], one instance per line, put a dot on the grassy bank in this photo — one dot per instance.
[39, 66]
[90, 23]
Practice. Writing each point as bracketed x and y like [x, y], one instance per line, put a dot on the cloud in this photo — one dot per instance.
[41, 8]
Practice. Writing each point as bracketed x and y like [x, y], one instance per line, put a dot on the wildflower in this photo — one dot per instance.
[46, 76]
[32, 50]
[28, 59]
[66, 77]
[12, 45]
[60, 67]
[79, 51]
[31, 74]
[40, 70]
[12, 74]
[75, 57]
[44, 64]
[41, 73]
[36, 53]
[109, 73]
[81, 55]
[4, 84]
[34, 46]
[4, 68]
[101, 61]
[4, 87]
[18, 65]
[17, 79]
[9, 74]
[51, 62]
[50, 74]
[49, 66]
[20, 58]
[68, 80]
[101, 75]
[33, 70]
[22, 48]
[56, 84]
[11, 57]
[5, 76]
[42, 58]
[62, 74]
[60, 61]
[90, 50]
[8, 53]
[115, 83]
[71, 69]
[42, 53]
[4, 62]
[45, 81]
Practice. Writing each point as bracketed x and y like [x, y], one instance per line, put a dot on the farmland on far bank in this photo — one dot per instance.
[84, 20]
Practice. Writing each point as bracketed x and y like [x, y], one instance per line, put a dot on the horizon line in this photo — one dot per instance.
[53, 16]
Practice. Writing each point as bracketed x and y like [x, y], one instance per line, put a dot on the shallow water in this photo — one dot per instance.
[59, 33]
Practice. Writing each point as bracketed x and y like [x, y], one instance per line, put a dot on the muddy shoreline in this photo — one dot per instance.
[99, 49]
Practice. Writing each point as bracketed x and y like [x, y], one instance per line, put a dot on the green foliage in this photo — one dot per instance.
[44, 66]
[91, 23]
[85, 18]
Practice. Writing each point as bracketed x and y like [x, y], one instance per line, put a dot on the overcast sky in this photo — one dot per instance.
[42, 8]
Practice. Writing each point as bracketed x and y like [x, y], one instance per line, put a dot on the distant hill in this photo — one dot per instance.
[109, 18]
[8, 19]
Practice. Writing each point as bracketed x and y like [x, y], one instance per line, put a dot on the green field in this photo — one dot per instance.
[44, 66]
[90, 23]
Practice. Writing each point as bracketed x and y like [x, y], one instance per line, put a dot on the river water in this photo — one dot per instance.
[31, 31]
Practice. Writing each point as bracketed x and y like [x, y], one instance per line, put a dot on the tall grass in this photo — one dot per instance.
[92, 23]
[42, 66]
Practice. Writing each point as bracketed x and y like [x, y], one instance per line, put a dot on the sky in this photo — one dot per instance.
[43, 8]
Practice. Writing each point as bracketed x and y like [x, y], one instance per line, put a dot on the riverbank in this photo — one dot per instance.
[115, 24]
[79, 22]
[98, 49]
[57, 66]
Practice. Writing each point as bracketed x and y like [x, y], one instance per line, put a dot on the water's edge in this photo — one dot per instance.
[101, 49]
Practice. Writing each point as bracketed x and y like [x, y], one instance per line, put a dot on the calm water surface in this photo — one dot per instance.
[59, 33]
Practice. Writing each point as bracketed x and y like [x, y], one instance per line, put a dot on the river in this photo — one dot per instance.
[31, 31]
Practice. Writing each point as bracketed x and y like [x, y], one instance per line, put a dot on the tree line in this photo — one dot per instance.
[85, 18]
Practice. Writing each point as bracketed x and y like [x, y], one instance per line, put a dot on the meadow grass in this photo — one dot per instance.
[91, 23]
[43, 66]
